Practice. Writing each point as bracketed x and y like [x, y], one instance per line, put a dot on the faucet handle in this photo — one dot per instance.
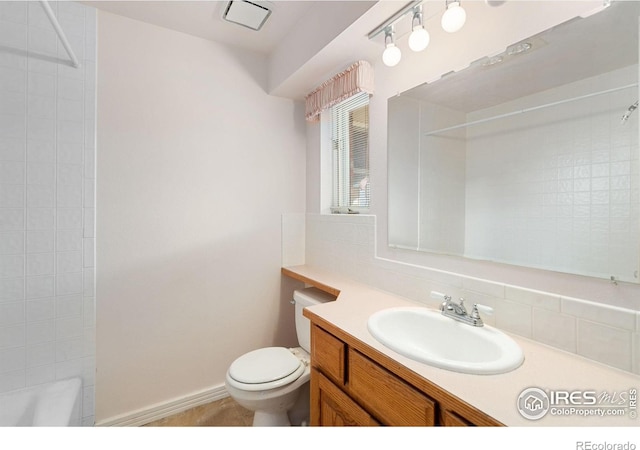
[477, 308]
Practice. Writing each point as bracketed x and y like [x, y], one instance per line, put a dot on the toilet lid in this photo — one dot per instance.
[264, 365]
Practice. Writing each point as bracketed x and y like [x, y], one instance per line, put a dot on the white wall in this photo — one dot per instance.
[47, 171]
[196, 164]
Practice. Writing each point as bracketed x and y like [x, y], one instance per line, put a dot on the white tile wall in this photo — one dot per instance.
[47, 171]
[604, 333]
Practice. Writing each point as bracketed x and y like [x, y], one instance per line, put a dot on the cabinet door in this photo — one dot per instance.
[330, 407]
[451, 419]
[328, 353]
[387, 397]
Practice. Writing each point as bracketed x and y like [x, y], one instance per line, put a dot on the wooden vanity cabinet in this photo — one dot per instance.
[349, 388]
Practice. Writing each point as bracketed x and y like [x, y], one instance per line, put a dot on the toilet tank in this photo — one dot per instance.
[307, 297]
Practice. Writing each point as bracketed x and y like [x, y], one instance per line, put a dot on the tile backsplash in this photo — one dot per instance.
[607, 334]
[47, 190]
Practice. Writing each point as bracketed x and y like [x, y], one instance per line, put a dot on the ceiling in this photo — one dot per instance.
[204, 19]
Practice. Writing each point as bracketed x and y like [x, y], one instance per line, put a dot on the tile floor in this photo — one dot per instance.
[221, 413]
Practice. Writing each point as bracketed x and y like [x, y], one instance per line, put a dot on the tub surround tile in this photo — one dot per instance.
[11, 266]
[12, 242]
[40, 196]
[40, 354]
[40, 264]
[13, 12]
[69, 306]
[88, 400]
[11, 289]
[69, 327]
[41, 309]
[69, 283]
[69, 262]
[40, 374]
[40, 241]
[11, 314]
[12, 380]
[12, 359]
[40, 287]
[69, 349]
[41, 332]
[42, 151]
[47, 108]
[41, 218]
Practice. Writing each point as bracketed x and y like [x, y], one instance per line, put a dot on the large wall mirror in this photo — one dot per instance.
[530, 157]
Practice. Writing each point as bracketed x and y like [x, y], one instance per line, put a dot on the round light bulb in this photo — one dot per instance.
[418, 39]
[453, 18]
[391, 55]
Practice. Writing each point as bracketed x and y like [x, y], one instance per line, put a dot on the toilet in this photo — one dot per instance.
[274, 381]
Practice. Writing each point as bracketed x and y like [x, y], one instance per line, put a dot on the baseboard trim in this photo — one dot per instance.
[166, 409]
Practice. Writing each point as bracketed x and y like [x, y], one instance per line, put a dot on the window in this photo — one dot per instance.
[350, 149]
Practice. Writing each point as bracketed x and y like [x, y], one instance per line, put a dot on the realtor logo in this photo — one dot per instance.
[533, 403]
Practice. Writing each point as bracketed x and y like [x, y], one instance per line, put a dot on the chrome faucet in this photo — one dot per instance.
[458, 311]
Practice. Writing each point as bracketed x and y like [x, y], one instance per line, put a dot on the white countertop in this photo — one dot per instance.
[544, 367]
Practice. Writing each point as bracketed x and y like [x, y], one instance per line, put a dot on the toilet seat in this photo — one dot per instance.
[265, 368]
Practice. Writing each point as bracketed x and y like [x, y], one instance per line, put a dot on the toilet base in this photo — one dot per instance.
[271, 419]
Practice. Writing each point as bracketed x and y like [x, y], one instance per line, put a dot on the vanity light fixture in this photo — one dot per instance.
[419, 37]
[454, 17]
[392, 54]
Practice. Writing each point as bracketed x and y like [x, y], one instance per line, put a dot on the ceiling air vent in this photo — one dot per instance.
[251, 15]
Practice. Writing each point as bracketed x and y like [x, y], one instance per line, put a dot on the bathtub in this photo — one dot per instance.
[55, 404]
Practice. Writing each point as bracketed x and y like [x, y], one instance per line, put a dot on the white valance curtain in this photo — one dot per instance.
[355, 79]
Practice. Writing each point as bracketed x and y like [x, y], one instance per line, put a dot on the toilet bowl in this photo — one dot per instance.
[274, 381]
[270, 395]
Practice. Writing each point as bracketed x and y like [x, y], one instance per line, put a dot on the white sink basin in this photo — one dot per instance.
[429, 337]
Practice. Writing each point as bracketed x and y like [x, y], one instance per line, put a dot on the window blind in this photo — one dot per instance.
[350, 142]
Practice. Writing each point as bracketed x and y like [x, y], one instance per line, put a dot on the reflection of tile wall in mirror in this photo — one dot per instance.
[536, 166]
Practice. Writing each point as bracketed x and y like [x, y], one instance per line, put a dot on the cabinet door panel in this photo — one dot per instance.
[385, 396]
[333, 407]
[451, 419]
[328, 354]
